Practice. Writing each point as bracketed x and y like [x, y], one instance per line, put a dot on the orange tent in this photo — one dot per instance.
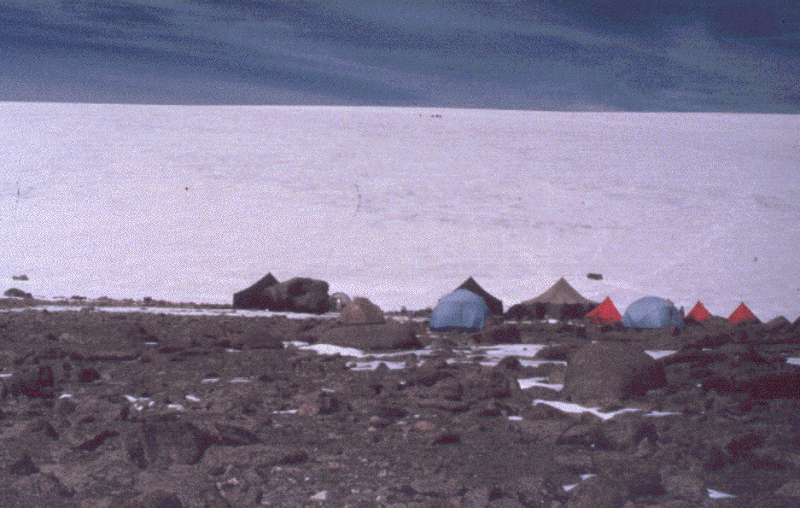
[698, 313]
[742, 313]
[604, 313]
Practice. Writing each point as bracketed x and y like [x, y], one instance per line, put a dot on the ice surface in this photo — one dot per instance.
[401, 205]
[569, 407]
[656, 354]
[715, 494]
[526, 383]
[329, 349]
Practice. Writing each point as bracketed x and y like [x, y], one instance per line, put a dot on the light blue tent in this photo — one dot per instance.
[459, 310]
[652, 312]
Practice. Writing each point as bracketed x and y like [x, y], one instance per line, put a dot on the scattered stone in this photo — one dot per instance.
[23, 466]
[597, 492]
[17, 293]
[684, 485]
[361, 311]
[163, 442]
[604, 373]
[33, 382]
[91, 421]
[373, 337]
[257, 336]
[157, 499]
[790, 489]
[499, 334]
[446, 438]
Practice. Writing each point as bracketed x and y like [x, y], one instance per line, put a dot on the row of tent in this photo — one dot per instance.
[468, 306]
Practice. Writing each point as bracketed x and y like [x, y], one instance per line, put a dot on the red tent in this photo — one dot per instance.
[604, 313]
[742, 313]
[698, 313]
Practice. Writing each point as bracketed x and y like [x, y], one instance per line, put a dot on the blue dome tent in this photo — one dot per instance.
[459, 310]
[652, 312]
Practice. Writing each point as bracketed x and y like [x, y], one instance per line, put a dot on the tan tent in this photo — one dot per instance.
[361, 311]
[561, 301]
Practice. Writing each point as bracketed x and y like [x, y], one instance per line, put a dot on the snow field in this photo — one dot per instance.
[401, 205]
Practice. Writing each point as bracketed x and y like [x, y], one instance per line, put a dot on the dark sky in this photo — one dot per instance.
[645, 55]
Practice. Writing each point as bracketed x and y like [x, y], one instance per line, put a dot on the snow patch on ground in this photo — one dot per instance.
[569, 407]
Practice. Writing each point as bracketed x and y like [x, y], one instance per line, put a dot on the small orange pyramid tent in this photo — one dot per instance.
[742, 313]
[604, 313]
[698, 313]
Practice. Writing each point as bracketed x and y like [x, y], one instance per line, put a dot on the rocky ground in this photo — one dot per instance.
[135, 409]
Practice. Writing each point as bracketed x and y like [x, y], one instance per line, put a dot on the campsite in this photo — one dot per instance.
[115, 393]
[154, 404]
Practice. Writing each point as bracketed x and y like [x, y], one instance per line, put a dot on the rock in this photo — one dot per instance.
[626, 431]
[388, 336]
[683, 485]
[88, 375]
[772, 385]
[597, 492]
[560, 353]
[742, 445]
[322, 403]
[488, 383]
[640, 477]
[789, 489]
[578, 461]
[608, 372]
[19, 277]
[446, 438]
[161, 443]
[156, 499]
[777, 325]
[505, 502]
[299, 294]
[23, 466]
[361, 311]
[253, 297]
[258, 336]
[532, 490]
[33, 382]
[501, 334]
[17, 293]
[476, 498]
[43, 489]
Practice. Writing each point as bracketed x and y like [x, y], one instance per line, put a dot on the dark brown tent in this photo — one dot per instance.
[561, 301]
[495, 305]
[253, 297]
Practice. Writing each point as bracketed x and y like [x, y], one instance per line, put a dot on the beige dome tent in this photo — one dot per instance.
[361, 311]
[561, 301]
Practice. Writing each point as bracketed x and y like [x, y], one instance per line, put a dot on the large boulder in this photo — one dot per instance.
[606, 372]
[17, 293]
[161, 443]
[300, 294]
[361, 311]
[374, 337]
[253, 297]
